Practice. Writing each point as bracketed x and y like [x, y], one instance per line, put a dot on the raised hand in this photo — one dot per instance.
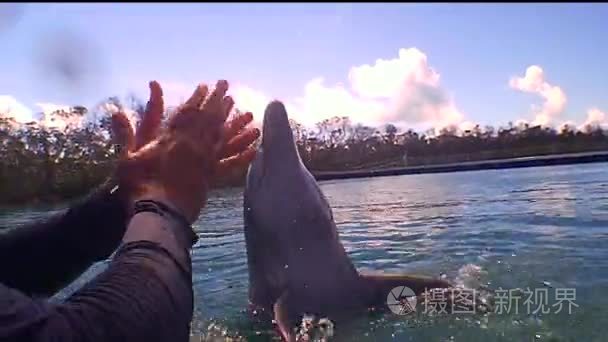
[176, 164]
[122, 132]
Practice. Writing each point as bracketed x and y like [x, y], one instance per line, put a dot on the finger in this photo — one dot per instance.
[196, 100]
[240, 143]
[210, 125]
[234, 126]
[214, 104]
[227, 105]
[151, 121]
[241, 160]
[122, 133]
[185, 114]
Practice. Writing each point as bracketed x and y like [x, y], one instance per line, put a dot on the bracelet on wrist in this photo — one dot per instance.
[165, 211]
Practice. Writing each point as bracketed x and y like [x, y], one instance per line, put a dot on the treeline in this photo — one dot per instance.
[45, 164]
[337, 144]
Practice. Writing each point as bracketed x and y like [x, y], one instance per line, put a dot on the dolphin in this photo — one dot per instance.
[297, 264]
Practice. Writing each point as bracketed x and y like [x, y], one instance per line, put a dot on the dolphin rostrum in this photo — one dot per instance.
[297, 264]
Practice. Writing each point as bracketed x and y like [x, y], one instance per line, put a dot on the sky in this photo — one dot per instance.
[413, 65]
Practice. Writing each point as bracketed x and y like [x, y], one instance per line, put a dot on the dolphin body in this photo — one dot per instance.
[296, 262]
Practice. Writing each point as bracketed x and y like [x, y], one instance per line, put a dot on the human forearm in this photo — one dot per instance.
[44, 256]
[145, 294]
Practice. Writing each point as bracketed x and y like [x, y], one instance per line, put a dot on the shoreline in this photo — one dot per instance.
[492, 164]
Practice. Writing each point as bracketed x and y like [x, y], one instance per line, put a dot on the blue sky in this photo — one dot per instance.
[277, 51]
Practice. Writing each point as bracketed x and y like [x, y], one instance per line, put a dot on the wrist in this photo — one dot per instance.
[152, 191]
[155, 193]
[154, 198]
[182, 227]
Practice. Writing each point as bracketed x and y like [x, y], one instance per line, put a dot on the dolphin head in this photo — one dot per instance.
[289, 224]
[278, 150]
[277, 131]
[278, 180]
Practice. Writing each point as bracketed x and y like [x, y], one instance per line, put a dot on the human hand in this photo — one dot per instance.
[125, 141]
[122, 132]
[176, 164]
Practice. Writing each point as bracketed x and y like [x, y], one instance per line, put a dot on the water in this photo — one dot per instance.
[536, 228]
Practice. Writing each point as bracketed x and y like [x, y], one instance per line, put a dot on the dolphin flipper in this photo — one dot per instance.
[283, 318]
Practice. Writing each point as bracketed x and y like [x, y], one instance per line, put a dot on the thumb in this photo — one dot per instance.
[122, 133]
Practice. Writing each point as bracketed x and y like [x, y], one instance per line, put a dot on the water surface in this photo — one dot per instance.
[535, 228]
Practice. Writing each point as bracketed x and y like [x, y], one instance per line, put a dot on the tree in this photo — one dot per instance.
[65, 162]
[390, 131]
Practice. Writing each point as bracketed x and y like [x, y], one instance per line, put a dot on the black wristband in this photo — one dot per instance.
[165, 211]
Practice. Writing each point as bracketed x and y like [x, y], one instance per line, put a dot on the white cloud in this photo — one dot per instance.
[595, 118]
[571, 125]
[249, 99]
[401, 90]
[387, 78]
[554, 97]
[466, 126]
[49, 108]
[320, 102]
[11, 108]
[51, 116]
[58, 116]
[521, 123]
[404, 90]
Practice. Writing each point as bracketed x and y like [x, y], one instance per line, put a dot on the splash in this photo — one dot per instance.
[469, 295]
[469, 276]
[311, 330]
[215, 332]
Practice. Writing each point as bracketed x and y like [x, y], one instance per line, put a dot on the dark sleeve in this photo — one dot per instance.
[144, 295]
[44, 256]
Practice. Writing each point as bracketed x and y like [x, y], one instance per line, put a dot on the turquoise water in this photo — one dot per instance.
[542, 229]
